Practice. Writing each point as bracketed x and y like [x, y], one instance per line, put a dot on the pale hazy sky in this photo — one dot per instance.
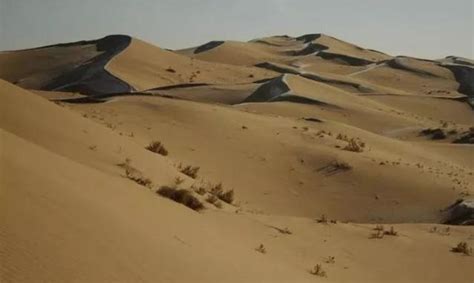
[424, 28]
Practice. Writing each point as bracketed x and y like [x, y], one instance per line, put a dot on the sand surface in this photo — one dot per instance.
[320, 140]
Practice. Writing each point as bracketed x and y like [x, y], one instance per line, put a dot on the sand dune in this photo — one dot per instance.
[316, 143]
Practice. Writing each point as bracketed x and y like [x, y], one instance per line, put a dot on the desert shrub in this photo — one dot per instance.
[379, 228]
[331, 260]
[137, 178]
[318, 271]
[133, 174]
[212, 199]
[391, 232]
[261, 249]
[182, 196]
[354, 146]
[226, 196]
[178, 181]
[462, 247]
[377, 235]
[202, 191]
[323, 219]
[157, 147]
[341, 165]
[190, 171]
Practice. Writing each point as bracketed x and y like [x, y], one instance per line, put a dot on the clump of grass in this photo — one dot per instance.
[135, 175]
[462, 247]
[261, 249]
[190, 171]
[214, 200]
[323, 219]
[391, 232]
[157, 147]
[354, 146]
[182, 196]
[377, 235]
[142, 181]
[202, 191]
[318, 271]
[331, 260]
[380, 232]
[226, 196]
[379, 228]
[178, 181]
[341, 165]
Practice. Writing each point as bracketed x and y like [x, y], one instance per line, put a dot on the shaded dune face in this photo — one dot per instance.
[73, 67]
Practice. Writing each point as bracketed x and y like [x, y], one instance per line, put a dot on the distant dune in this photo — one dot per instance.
[281, 159]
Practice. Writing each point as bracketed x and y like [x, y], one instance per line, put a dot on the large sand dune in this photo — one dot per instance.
[319, 140]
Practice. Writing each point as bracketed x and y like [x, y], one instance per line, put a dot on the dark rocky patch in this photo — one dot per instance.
[459, 213]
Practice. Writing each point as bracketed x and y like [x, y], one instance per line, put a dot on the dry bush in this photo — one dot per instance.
[331, 260]
[202, 191]
[137, 178]
[377, 235]
[341, 165]
[261, 249]
[212, 199]
[462, 247]
[182, 196]
[135, 175]
[318, 271]
[190, 171]
[379, 227]
[323, 219]
[157, 147]
[178, 181]
[226, 196]
[354, 146]
[215, 201]
[391, 232]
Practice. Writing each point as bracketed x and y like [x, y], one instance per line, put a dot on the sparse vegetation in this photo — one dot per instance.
[135, 175]
[462, 247]
[380, 232]
[214, 200]
[324, 220]
[157, 147]
[318, 271]
[201, 190]
[330, 260]
[377, 235]
[182, 196]
[226, 196]
[261, 249]
[190, 171]
[354, 146]
[341, 165]
[178, 181]
[391, 232]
